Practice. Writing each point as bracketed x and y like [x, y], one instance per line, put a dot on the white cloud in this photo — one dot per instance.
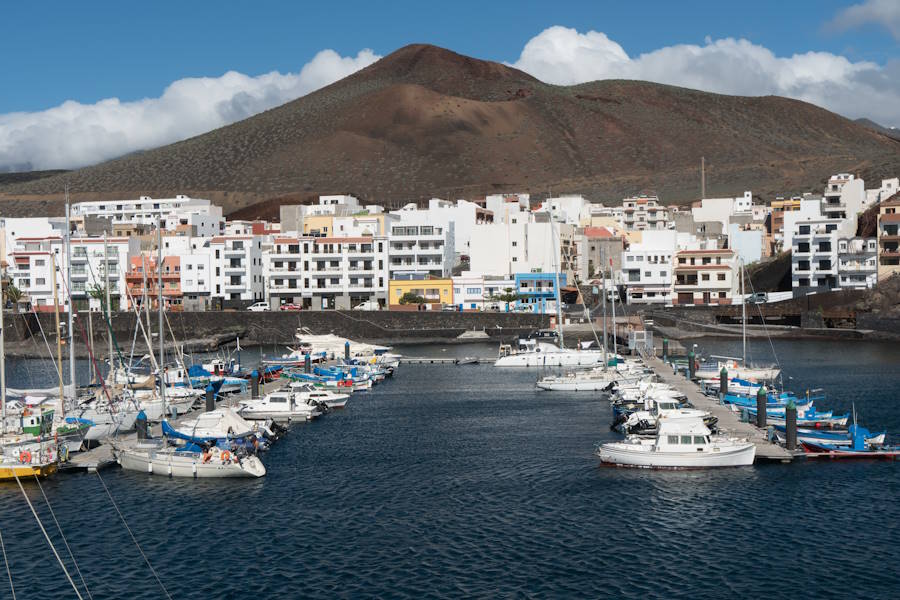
[73, 134]
[729, 66]
[879, 12]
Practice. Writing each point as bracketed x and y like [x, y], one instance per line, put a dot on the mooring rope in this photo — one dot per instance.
[12, 588]
[65, 541]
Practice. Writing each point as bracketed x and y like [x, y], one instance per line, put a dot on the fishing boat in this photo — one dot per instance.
[648, 422]
[679, 444]
[280, 407]
[859, 446]
[838, 438]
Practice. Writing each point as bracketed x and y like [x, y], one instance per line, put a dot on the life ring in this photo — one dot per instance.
[226, 457]
[25, 457]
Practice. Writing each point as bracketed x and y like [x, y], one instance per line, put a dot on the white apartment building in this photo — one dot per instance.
[814, 254]
[704, 277]
[29, 269]
[322, 273]
[146, 210]
[237, 270]
[647, 268]
[502, 205]
[463, 215]
[844, 197]
[421, 249]
[523, 245]
[571, 210]
[644, 213]
[857, 263]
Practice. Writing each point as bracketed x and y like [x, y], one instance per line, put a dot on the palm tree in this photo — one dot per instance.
[13, 294]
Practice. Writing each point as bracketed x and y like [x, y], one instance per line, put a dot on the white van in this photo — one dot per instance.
[367, 305]
[259, 307]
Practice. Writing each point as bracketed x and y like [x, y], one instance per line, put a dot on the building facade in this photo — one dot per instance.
[703, 277]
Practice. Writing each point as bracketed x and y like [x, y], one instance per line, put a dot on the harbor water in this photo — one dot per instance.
[466, 481]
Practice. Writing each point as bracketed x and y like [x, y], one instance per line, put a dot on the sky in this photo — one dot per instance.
[83, 82]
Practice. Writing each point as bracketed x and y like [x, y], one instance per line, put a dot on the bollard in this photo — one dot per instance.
[691, 365]
[346, 350]
[665, 349]
[307, 364]
[723, 382]
[762, 398]
[210, 398]
[790, 426]
[140, 423]
[254, 384]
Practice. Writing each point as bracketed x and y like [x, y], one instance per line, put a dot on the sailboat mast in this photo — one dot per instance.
[615, 341]
[162, 337]
[743, 317]
[603, 299]
[71, 297]
[558, 255]
[108, 303]
[3, 368]
[62, 395]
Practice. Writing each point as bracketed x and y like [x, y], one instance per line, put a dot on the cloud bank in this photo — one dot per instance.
[728, 66]
[74, 134]
[885, 13]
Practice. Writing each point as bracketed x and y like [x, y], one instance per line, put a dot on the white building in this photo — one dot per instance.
[746, 243]
[844, 197]
[644, 213]
[468, 291]
[522, 245]
[721, 210]
[647, 268]
[814, 253]
[322, 273]
[236, 262]
[421, 249]
[857, 263]
[147, 210]
[463, 215]
[888, 188]
[29, 269]
[571, 210]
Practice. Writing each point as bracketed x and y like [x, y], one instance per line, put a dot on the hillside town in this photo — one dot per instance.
[499, 252]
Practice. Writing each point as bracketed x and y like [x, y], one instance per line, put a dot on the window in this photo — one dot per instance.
[721, 276]
[704, 277]
[721, 294]
[39, 262]
[699, 439]
[515, 243]
[804, 230]
[662, 273]
[40, 281]
[514, 259]
[685, 439]
[673, 439]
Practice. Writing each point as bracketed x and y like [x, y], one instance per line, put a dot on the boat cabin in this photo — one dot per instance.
[683, 435]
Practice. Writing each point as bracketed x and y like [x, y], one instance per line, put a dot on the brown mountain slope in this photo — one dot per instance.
[425, 121]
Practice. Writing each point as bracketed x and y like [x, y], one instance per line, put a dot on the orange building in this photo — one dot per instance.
[142, 270]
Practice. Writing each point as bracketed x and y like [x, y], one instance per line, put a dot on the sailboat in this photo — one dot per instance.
[160, 457]
[738, 367]
[28, 459]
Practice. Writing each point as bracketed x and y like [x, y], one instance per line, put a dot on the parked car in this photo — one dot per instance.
[259, 307]
[757, 298]
[291, 306]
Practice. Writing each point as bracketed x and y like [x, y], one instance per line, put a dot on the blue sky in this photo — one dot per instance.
[84, 82]
[54, 51]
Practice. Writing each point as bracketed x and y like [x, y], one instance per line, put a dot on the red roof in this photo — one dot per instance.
[598, 232]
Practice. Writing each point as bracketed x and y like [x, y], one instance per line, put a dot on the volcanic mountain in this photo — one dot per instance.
[426, 122]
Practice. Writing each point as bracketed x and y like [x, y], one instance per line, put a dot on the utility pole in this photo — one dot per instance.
[702, 177]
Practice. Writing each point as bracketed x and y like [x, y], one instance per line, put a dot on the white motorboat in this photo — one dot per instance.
[679, 444]
[157, 458]
[279, 406]
[223, 422]
[307, 392]
[587, 381]
[534, 353]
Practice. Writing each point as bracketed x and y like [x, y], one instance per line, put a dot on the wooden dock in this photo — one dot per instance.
[729, 421]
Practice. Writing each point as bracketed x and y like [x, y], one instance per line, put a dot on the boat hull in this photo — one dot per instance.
[551, 359]
[9, 472]
[620, 455]
[187, 464]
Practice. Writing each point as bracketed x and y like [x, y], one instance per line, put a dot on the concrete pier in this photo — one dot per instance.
[729, 421]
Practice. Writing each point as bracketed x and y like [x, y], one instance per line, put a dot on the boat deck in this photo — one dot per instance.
[729, 421]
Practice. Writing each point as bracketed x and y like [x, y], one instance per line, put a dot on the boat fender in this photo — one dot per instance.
[226, 457]
[24, 457]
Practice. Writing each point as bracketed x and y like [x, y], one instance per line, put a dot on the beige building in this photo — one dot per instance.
[888, 238]
[703, 277]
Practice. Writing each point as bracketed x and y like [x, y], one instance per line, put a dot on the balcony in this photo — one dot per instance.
[229, 252]
[238, 269]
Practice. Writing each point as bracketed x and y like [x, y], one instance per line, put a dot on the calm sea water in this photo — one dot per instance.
[467, 482]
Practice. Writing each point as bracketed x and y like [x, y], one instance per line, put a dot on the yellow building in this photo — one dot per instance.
[322, 225]
[433, 290]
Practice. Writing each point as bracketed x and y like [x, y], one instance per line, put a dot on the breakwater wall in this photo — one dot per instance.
[208, 330]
